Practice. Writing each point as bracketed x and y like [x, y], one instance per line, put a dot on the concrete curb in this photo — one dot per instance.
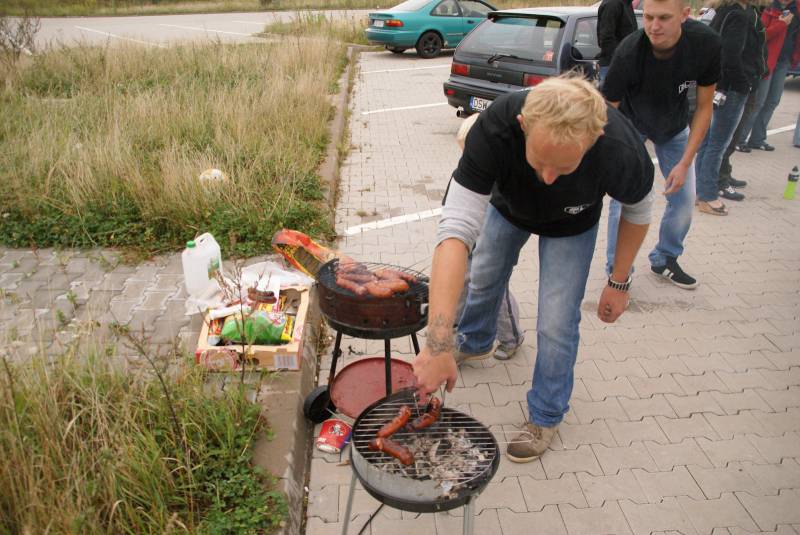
[283, 394]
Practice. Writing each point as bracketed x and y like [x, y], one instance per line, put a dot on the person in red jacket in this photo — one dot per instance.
[783, 50]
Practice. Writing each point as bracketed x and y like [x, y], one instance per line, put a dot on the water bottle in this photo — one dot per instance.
[202, 260]
[791, 185]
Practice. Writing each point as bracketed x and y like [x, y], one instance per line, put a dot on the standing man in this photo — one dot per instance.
[615, 20]
[653, 69]
[535, 162]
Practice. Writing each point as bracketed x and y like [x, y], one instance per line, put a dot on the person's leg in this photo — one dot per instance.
[747, 122]
[758, 137]
[723, 124]
[493, 259]
[563, 270]
[678, 214]
[509, 331]
[724, 177]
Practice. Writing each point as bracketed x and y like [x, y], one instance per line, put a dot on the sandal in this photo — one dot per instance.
[763, 146]
[708, 209]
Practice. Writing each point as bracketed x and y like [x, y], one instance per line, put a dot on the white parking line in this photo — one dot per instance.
[205, 30]
[120, 37]
[408, 69]
[404, 108]
[251, 22]
[427, 214]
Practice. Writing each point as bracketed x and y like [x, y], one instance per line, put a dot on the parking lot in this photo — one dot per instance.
[685, 416]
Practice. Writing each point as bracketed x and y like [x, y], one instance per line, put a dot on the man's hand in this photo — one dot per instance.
[432, 370]
[612, 304]
[676, 178]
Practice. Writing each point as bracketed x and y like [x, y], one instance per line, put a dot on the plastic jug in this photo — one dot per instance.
[202, 259]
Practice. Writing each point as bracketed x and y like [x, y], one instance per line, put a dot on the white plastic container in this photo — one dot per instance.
[202, 259]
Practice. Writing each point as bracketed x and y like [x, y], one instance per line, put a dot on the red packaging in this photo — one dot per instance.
[334, 435]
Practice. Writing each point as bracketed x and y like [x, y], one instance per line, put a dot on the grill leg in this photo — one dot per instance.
[387, 356]
[415, 343]
[469, 517]
[349, 508]
[337, 352]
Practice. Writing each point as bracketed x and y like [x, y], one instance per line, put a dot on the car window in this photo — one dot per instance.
[585, 39]
[471, 8]
[446, 8]
[532, 38]
[411, 5]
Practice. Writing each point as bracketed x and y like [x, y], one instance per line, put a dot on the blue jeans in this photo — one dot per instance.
[774, 92]
[709, 156]
[563, 270]
[677, 215]
[758, 103]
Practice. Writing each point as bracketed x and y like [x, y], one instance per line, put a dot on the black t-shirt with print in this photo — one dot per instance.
[653, 91]
[494, 162]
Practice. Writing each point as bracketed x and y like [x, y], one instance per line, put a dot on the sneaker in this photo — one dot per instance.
[530, 443]
[736, 183]
[506, 351]
[743, 148]
[673, 273]
[731, 194]
[464, 357]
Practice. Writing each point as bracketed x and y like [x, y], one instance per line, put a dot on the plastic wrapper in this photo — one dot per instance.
[260, 328]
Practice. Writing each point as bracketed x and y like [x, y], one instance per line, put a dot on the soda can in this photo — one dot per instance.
[333, 435]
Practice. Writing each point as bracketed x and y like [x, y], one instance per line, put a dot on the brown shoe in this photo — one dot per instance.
[708, 209]
[464, 357]
[530, 443]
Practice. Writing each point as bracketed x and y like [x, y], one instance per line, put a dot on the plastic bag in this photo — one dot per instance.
[260, 328]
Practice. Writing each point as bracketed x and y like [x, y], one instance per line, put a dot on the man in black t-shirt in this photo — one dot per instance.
[648, 79]
[535, 162]
[615, 20]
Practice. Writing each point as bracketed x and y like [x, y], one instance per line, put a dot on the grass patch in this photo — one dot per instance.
[103, 146]
[319, 25]
[87, 449]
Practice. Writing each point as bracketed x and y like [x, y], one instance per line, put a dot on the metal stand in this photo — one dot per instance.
[349, 508]
[469, 516]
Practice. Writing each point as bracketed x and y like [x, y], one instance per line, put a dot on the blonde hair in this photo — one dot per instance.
[568, 106]
[463, 130]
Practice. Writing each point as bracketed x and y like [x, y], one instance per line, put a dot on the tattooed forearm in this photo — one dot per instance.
[440, 335]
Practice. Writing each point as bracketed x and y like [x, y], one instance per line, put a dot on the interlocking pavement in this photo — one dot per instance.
[685, 416]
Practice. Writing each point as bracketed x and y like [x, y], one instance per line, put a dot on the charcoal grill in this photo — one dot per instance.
[412, 488]
[369, 318]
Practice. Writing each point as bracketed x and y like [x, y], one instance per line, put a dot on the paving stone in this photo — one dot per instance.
[650, 386]
[621, 351]
[664, 366]
[705, 382]
[734, 402]
[611, 370]
[783, 360]
[627, 432]
[706, 515]
[518, 374]
[722, 452]
[599, 489]
[582, 459]
[499, 394]
[733, 424]
[324, 503]
[508, 414]
[485, 522]
[574, 435]
[363, 503]
[496, 374]
[422, 524]
[693, 426]
[700, 365]
[659, 485]
[328, 473]
[769, 511]
[781, 379]
[685, 453]
[546, 522]
[668, 349]
[774, 477]
[506, 493]
[614, 459]
[649, 519]
[317, 526]
[775, 449]
[120, 311]
[720, 480]
[154, 300]
[702, 402]
[605, 519]
[778, 423]
[654, 406]
[600, 390]
[780, 400]
[589, 411]
[752, 361]
[587, 369]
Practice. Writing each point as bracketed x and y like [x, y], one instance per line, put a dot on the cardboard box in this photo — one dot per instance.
[280, 357]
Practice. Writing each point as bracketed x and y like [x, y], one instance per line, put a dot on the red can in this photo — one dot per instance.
[333, 435]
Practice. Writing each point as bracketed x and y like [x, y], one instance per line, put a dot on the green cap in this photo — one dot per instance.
[190, 244]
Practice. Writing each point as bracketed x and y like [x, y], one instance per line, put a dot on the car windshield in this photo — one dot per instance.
[530, 38]
[411, 5]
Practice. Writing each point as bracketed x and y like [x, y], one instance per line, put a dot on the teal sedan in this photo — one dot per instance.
[427, 25]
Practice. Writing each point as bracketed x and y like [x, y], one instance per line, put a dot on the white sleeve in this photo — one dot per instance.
[640, 213]
[462, 215]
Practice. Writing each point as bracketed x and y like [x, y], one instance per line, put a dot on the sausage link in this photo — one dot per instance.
[377, 290]
[390, 447]
[396, 424]
[356, 276]
[395, 285]
[429, 418]
[354, 287]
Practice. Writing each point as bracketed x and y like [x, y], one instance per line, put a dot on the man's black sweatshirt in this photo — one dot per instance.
[742, 47]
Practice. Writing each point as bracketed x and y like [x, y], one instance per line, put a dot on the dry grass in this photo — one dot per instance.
[319, 25]
[104, 146]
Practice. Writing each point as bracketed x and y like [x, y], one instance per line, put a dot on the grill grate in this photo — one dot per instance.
[451, 427]
[328, 272]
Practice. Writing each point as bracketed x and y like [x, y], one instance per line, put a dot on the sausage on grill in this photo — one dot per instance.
[387, 273]
[390, 447]
[347, 284]
[429, 418]
[396, 424]
[378, 290]
[356, 276]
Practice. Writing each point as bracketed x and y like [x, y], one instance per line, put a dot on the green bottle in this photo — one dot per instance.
[791, 185]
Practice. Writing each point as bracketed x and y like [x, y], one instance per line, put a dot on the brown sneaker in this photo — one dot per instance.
[530, 443]
[464, 357]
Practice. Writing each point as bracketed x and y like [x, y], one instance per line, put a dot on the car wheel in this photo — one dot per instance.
[429, 45]
[395, 49]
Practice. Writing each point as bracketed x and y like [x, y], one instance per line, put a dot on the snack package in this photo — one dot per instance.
[301, 251]
[260, 328]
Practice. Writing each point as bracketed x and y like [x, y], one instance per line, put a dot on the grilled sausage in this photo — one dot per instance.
[390, 447]
[378, 290]
[396, 424]
[395, 274]
[429, 418]
[347, 284]
[395, 285]
[356, 276]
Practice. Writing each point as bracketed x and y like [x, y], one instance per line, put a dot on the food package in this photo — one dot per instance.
[301, 251]
[260, 328]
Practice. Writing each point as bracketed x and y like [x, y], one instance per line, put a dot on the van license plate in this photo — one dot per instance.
[478, 104]
[378, 24]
